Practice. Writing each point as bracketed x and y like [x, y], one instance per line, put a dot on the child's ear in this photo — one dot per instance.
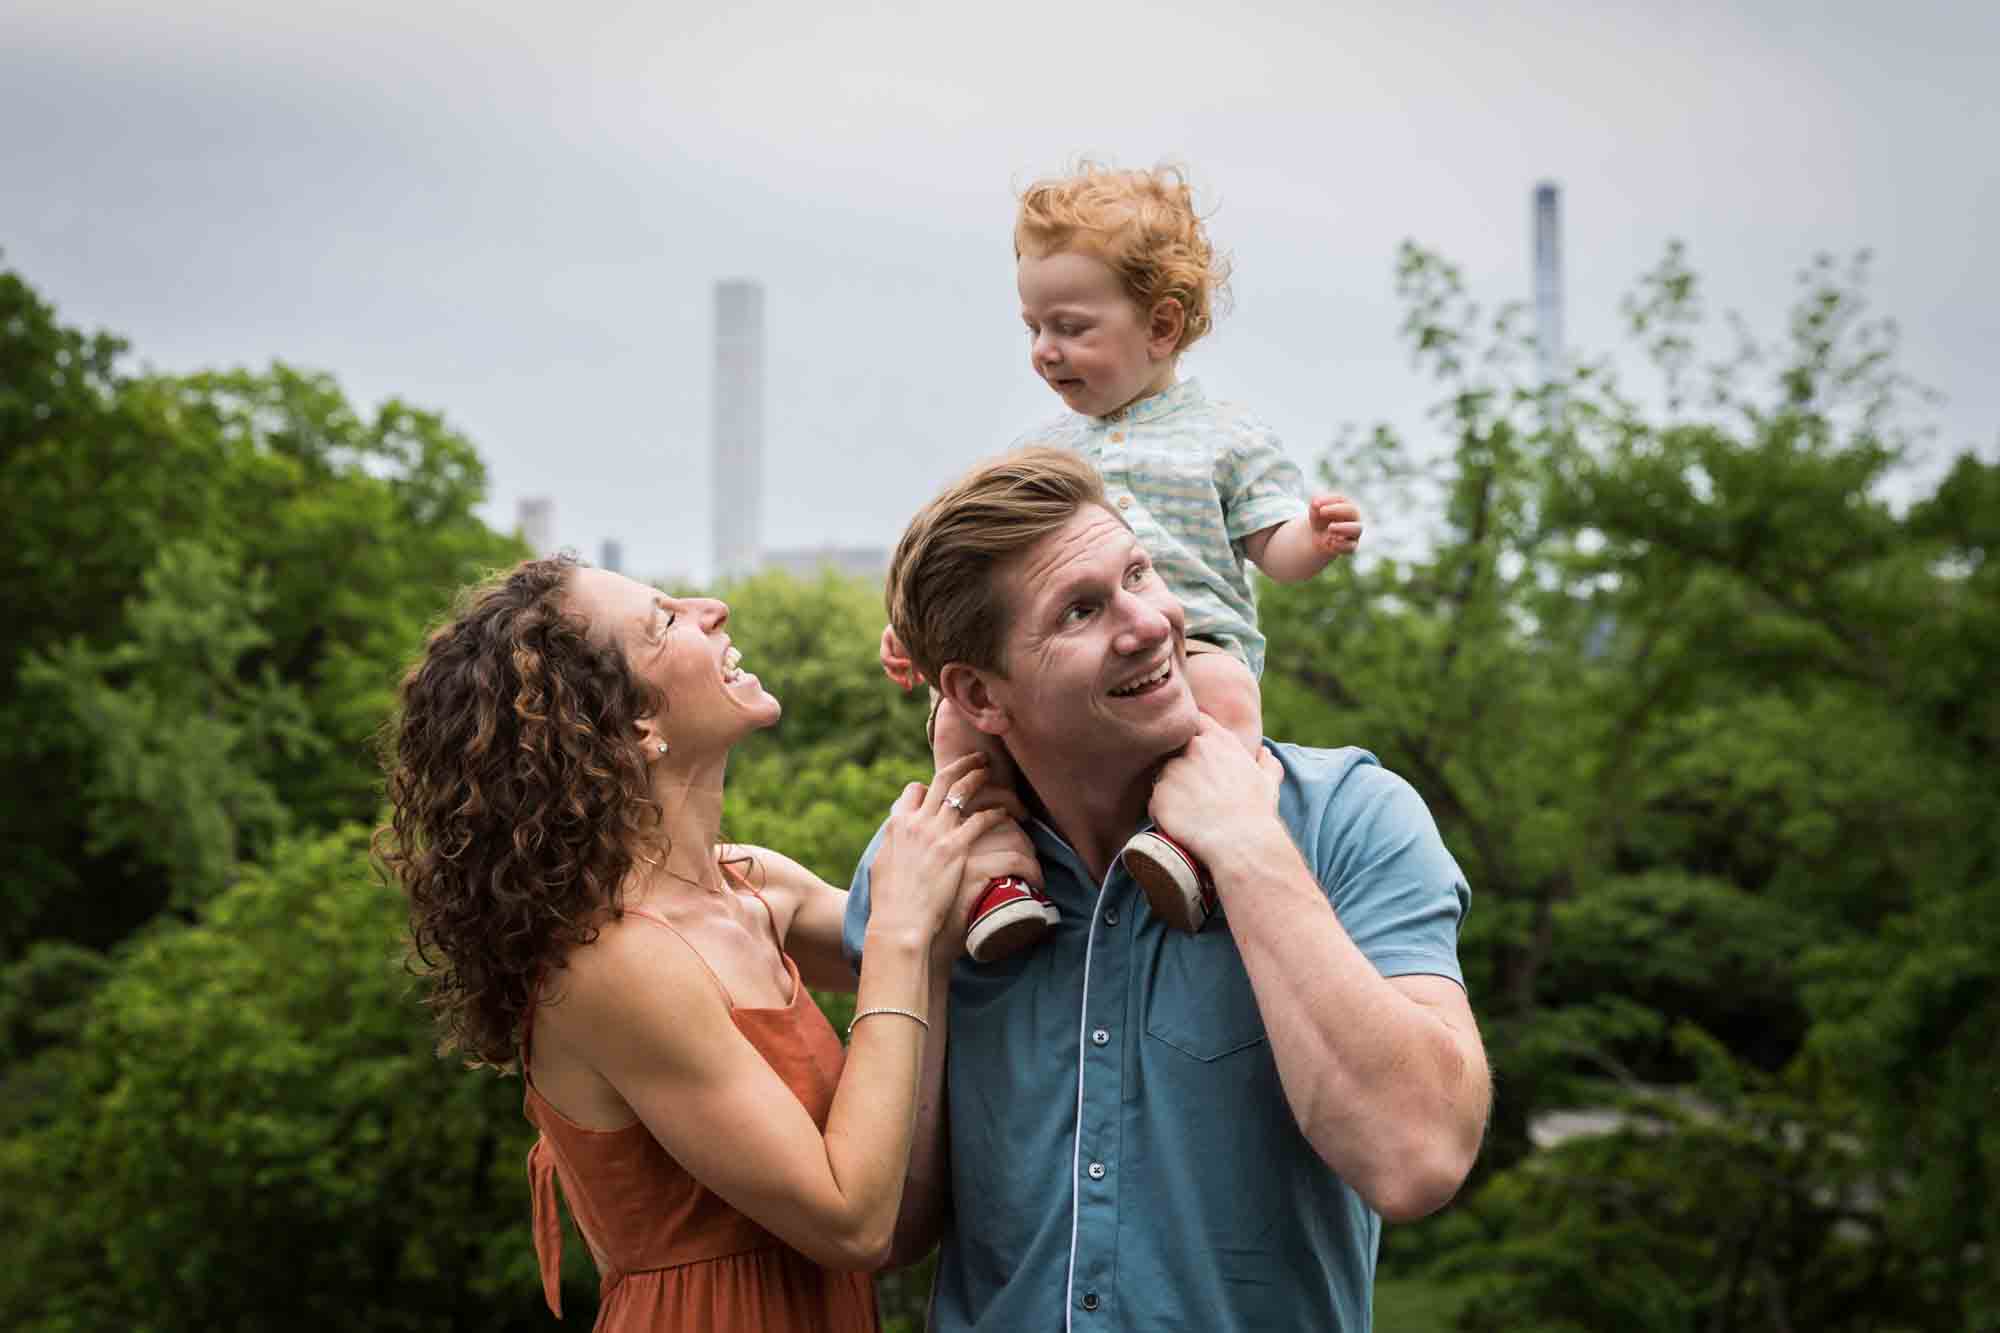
[1163, 329]
[970, 695]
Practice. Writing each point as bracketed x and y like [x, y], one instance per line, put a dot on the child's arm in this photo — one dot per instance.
[1298, 548]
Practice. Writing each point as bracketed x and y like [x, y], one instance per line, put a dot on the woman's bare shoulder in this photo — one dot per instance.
[770, 872]
[636, 983]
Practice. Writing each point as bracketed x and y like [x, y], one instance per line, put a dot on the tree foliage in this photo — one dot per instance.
[240, 549]
[1711, 725]
[1707, 716]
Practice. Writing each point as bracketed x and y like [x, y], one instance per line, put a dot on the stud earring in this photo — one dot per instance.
[663, 747]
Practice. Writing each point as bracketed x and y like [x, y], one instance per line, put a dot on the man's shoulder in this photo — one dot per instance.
[1320, 766]
[1343, 784]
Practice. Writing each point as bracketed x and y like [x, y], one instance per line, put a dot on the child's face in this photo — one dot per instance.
[1088, 341]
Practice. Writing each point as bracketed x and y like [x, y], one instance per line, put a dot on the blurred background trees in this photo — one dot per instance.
[1711, 726]
[1694, 671]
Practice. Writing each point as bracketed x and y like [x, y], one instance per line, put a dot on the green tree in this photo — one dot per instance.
[353, 530]
[177, 746]
[256, 1131]
[1708, 724]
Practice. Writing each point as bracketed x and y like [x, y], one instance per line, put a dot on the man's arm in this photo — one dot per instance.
[1386, 1077]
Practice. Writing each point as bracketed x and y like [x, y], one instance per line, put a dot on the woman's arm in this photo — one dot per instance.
[807, 911]
[653, 1025]
[650, 1020]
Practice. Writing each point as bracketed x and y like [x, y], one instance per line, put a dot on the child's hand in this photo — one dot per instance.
[1336, 524]
[896, 663]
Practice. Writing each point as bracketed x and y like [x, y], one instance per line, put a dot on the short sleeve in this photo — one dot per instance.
[854, 926]
[1399, 893]
[1259, 484]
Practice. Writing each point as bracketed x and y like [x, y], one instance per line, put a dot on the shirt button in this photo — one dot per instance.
[1110, 916]
[1124, 502]
[1099, 1037]
[1089, 1301]
[1096, 1170]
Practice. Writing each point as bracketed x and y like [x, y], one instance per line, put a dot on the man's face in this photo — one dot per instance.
[1094, 656]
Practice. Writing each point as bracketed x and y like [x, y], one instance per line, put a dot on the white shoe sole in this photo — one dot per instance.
[1170, 883]
[1009, 929]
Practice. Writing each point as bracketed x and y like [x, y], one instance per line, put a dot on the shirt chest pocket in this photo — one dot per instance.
[1200, 1002]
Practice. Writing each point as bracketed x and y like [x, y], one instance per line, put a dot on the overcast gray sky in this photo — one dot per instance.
[513, 212]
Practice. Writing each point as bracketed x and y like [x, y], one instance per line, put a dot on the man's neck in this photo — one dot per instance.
[1094, 813]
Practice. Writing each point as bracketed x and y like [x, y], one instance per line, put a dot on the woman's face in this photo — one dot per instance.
[678, 646]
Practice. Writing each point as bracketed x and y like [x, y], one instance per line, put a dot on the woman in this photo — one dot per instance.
[557, 801]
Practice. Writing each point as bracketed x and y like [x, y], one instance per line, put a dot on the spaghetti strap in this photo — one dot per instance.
[662, 921]
[743, 882]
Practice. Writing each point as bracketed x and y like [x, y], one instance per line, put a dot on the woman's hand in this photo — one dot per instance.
[919, 875]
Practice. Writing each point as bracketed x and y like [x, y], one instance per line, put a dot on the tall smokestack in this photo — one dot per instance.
[1548, 281]
[535, 520]
[738, 444]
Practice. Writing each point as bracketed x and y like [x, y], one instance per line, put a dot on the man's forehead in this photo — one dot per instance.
[1093, 540]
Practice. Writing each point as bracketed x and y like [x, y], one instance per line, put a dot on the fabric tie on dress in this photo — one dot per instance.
[548, 1222]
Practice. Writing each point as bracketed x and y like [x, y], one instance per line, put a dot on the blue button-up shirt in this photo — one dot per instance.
[1122, 1155]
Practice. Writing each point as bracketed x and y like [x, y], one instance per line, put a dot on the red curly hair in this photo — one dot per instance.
[1144, 224]
[517, 793]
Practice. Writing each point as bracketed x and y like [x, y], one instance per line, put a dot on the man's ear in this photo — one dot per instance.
[970, 694]
[1163, 327]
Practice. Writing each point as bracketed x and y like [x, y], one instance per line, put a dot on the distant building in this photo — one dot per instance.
[611, 556]
[1548, 281]
[737, 446]
[535, 520]
[805, 562]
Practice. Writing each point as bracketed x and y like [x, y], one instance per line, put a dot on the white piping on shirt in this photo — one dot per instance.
[1076, 1153]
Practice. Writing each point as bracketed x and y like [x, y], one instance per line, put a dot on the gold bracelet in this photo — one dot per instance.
[885, 1009]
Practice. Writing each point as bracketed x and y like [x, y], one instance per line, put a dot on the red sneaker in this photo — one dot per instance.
[1008, 917]
[1176, 884]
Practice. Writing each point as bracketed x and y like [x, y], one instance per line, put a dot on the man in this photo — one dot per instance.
[1141, 1129]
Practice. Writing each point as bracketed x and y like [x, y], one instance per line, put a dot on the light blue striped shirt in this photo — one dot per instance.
[1193, 478]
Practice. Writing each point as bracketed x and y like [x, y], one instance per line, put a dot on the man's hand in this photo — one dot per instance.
[896, 663]
[1336, 524]
[1213, 790]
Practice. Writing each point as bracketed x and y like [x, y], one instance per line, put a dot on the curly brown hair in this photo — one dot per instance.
[517, 795]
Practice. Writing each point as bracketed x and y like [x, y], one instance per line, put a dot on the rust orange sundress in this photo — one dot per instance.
[671, 1253]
